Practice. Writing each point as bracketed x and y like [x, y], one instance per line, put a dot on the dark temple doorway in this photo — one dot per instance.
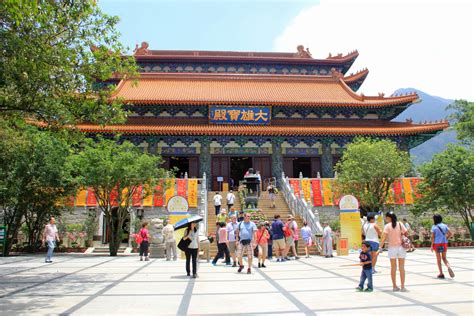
[238, 168]
[181, 164]
[302, 165]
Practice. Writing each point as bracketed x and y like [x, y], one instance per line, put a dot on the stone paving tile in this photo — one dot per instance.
[124, 285]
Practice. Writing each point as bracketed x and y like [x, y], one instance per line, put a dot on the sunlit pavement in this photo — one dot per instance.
[81, 284]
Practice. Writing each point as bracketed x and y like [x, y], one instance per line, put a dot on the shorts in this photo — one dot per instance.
[241, 249]
[308, 241]
[289, 241]
[440, 248]
[232, 247]
[374, 246]
[279, 243]
[397, 252]
[263, 250]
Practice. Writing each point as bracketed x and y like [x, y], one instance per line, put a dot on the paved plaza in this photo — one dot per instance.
[84, 284]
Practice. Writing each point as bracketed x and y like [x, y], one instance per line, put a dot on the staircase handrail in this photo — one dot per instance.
[203, 227]
[299, 206]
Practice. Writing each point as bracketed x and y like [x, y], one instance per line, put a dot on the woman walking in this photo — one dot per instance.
[306, 236]
[145, 242]
[191, 234]
[262, 243]
[440, 234]
[393, 233]
[372, 233]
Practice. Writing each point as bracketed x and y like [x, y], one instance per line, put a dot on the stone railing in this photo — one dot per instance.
[300, 207]
[202, 209]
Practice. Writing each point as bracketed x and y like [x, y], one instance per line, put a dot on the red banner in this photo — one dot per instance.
[414, 185]
[316, 187]
[181, 187]
[137, 197]
[91, 200]
[397, 189]
[295, 185]
[114, 197]
[158, 196]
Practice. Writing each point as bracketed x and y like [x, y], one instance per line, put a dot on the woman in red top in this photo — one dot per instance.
[144, 244]
[262, 242]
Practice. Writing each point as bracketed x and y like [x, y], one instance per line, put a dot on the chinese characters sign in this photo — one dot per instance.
[250, 115]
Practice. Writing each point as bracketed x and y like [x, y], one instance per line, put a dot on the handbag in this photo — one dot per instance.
[183, 244]
[139, 237]
[406, 242]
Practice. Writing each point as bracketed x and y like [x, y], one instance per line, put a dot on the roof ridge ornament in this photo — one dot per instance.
[336, 73]
[142, 50]
[302, 53]
[409, 120]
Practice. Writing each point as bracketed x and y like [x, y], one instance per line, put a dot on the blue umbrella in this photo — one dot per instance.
[185, 221]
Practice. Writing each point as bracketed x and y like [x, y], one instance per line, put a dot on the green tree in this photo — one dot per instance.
[115, 172]
[464, 119]
[448, 183]
[48, 71]
[34, 179]
[368, 168]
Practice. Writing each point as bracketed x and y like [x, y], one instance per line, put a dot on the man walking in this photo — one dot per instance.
[231, 229]
[50, 235]
[170, 242]
[246, 234]
[278, 238]
[217, 202]
[230, 199]
[327, 240]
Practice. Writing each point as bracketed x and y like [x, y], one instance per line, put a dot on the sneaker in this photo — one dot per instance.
[249, 271]
[278, 260]
[263, 266]
[234, 265]
[359, 289]
[194, 276]
[147, 259]
[188, 274]
[240, 269]
[441, 276]
[451, 272]
[404, 290]
[396, 289]
[213, 263]
[48, 261]
[141, 259]
[368, 290]
[296, 258]
[259, 265]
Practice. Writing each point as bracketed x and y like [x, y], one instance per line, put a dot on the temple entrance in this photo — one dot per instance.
[180, 165]
[238, 167]
[302, 165]
[309, 166]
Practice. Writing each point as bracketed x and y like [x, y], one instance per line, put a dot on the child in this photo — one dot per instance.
[306, 235]
[366, 263]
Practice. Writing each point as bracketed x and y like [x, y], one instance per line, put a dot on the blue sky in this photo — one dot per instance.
[422, 44]
[204, 25]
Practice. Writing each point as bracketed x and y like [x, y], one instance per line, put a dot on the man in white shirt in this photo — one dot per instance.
[170, 242]
[230, 199]
[217, 202]
[231, 229]
[327, 240]
[50, 235]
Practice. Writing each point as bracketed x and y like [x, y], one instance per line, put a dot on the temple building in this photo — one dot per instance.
[221, 112]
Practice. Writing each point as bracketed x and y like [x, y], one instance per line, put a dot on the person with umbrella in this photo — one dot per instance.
[191, 236]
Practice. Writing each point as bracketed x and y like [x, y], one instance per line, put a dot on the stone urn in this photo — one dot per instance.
[157, 247]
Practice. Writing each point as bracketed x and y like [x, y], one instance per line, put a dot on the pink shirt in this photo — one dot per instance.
[394, 236]
[144, 234]
[222, 235]
[50, 232]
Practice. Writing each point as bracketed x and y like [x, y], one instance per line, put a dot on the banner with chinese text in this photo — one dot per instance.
[181, 183]
[305, 185]
[244, 115]
[295, 185]
[192, 192]
[317, 198]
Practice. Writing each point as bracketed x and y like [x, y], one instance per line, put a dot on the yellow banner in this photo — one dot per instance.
[192, 192]
[170, 190]
[305, 184]
[327, 192]
[351, 229]
[148, 199]
[125, 196]
[407, 190]
[178, 234]
[81, 198]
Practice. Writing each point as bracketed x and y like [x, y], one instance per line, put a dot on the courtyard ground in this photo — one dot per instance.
[84, 284]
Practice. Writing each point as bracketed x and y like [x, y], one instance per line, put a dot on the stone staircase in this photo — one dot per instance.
[105, 250]
[264, 203]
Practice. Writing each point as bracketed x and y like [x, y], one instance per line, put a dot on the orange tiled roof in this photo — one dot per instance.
[386, 129]
[195, 88]
[358, 75]
[233, 55]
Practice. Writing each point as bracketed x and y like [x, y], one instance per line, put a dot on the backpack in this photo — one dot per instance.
[287, 231]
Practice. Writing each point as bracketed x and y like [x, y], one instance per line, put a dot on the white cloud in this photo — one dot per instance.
[426, 45]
